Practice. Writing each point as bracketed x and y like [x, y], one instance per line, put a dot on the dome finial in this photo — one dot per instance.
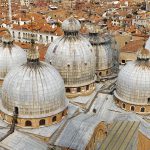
[143, 54]
[33, 53]
[7, 39]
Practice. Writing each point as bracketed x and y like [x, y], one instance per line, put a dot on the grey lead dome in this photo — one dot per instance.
[73, 56]
[133, 83]
[11, 56]
[37, 91]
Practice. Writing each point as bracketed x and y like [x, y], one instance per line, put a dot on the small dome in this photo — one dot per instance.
[71, 25]
[102, 46]
[133, 83]
[11, 56]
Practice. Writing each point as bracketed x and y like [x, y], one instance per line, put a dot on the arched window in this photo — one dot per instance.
[63, 113]
[78, 89]
[148, 100]
[117, 101]
[100, 73]
[123, 61]
[16, 110]
[106, 72]
[28, 123]
[42, 122]
[132, 108]
[123, 105]
[67, 90]
[68, 65]
[54, 119]
[87, 87]
[51, 38]
[142, 109]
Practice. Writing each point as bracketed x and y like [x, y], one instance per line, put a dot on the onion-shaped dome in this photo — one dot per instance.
[11, 56]
[36, 89]
[133, 83]
[74, 58]
[104, 57]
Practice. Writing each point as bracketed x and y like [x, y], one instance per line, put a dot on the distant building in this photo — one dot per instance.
[148, 5]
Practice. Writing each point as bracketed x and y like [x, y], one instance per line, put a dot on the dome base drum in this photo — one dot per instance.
[35, 122]
[72, 92]
[137, 108]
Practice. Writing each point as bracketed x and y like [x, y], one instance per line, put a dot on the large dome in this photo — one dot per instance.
[11, 56]
[36, 89]
[104, 57]
[133, 83]
[74, 58]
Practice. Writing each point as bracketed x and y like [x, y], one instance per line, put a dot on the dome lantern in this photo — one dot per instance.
[7, 40]
[71, 26]
[143, 54]
[33, 54]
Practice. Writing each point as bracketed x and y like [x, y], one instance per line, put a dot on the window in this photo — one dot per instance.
[132, 108]
[41, 37]
[100, 73]
[123, 61]
[28, 123]
[54, 119]
[51, 38]
[13, 34]
[87, 87]
[148, 100]
[16, 110]
[106, 72]
[68, 90]
[78, 89]
[63, 113]
[142, 109]
[117, 101]
[47, 38]
[68, 65]
[42, 122]
[123, 105]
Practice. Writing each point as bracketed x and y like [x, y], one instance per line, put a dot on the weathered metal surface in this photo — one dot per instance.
[120, 135]
[73, 56]
[37, 90]
[10, 57]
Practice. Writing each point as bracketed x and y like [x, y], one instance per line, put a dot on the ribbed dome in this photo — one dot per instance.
[11, 56]
[71, 25]
[35, 87]
[72, 55]
[74, 58]
[133, 84]
[37, 92]
[102, 47]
